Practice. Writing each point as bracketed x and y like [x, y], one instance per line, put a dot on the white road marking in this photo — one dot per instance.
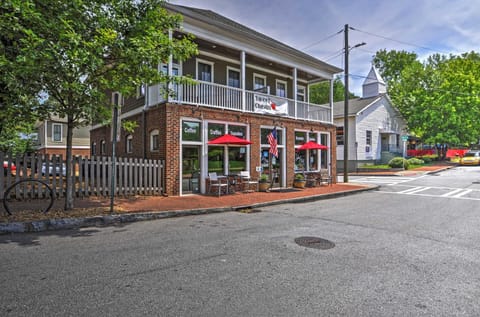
[466, 191]
[453, 192]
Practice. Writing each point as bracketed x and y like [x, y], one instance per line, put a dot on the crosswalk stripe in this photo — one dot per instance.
[412, 190]
[466, 191]
[453, 192]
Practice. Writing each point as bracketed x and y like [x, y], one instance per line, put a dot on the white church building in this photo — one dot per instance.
[375, 127]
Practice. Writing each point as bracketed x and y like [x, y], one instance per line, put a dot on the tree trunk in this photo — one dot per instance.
[69, 181]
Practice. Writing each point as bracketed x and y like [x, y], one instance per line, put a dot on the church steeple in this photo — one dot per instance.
[373, 84]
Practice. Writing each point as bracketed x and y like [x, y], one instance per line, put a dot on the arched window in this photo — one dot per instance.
[93, 149]
[154, 140]
[103, 147]
[129, 143]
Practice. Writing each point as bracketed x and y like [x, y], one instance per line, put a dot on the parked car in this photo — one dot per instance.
[470, 158]
[13, 168]
[60, 169]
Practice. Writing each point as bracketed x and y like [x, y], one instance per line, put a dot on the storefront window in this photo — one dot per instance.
[238, 131]
[265, 132]
[313, 160]
[324, 153]
[215, 130]
[312, 136]
[300, 160]
[237, 159]
[191, 131]
[300, 137]
[216, 155]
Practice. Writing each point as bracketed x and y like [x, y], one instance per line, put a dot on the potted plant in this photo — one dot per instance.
[299, 181]
[263, 183]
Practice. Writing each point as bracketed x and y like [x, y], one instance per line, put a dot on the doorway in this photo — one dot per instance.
[272, 166]
[190, 169]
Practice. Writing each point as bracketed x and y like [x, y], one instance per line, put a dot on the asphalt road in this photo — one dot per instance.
[395, 254]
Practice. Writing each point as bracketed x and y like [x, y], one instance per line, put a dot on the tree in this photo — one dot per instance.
[74, 51]
[439, 98]
[391, 63]
[320, 93]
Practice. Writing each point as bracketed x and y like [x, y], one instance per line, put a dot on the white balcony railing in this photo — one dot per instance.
[224, 97]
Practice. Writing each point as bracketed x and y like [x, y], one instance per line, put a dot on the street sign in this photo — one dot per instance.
[404, 138]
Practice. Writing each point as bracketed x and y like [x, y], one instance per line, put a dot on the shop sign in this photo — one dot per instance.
[191, 131]
[270, 105]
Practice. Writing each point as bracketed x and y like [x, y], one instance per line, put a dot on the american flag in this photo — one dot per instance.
[272, 140]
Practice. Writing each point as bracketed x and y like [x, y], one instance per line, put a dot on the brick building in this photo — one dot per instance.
[247, 84]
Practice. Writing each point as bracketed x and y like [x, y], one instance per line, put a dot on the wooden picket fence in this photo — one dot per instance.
[91, 176]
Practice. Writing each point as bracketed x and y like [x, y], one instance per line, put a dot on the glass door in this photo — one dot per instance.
[272, 166]
[190, 169]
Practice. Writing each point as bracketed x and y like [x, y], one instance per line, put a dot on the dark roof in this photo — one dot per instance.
[354, 105]
[213, 18]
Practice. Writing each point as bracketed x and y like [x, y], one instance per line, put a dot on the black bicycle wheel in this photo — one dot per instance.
[28, 195]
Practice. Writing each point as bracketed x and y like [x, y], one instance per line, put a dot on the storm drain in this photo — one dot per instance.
[315, 243]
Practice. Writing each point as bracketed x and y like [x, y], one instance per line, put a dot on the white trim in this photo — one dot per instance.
[212, 64]
[63, 147]
[264, 77]
[304, 94]
[154, 132]
[129, 143]
[53, 132]
[279, 81]
[229, 68]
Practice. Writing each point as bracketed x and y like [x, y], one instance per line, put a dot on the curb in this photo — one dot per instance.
[101, 221]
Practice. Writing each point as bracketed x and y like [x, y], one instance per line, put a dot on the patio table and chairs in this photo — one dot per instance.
[247, 182]
[217, 183]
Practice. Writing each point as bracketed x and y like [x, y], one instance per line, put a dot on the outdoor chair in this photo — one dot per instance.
[325, 178]
[247, 181]
[217, 183]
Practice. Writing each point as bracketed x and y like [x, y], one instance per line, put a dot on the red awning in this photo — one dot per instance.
[229, 139]
[310, 145]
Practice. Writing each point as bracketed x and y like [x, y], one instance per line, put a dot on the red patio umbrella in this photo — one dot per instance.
[229, 139]
[311, 145]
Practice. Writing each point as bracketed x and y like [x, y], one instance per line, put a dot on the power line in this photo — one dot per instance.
[401, 42]
[317, 42]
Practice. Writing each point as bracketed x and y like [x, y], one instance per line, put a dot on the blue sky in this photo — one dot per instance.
[423, 26]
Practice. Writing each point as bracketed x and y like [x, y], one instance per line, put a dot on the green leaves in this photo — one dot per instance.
[438, 98]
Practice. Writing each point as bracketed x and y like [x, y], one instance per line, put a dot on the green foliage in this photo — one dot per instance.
[415, 161]
[71, 52]
[426, 159]
[439, 98]
[398, 162]
[263, 178]
[299, 177]
[320, 93]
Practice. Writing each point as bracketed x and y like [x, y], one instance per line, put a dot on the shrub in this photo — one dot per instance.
[263, 178]
[398, 162]
[426, 159]
[415, 161]
[299, 177]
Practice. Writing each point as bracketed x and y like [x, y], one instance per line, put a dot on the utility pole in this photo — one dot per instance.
[345, 111]
[113, 170]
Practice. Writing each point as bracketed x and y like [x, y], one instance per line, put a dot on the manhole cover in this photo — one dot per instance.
[314, 242]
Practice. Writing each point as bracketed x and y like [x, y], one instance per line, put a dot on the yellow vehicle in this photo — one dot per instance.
[470, 158]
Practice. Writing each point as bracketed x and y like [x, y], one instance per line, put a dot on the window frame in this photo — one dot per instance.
[263, 77]
[303, 93]
[282, 82]
[229, 68]
[154, 133]
[128, 143]
[53, 132]
[211, 64]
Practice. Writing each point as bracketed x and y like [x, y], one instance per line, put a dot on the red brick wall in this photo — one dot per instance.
[166, 118]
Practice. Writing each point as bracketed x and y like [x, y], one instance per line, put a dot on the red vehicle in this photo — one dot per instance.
[13, 168]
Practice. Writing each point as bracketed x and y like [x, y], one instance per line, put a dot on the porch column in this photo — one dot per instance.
[169, 68]
[295, 90]
[330, 100]
[242, 74]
